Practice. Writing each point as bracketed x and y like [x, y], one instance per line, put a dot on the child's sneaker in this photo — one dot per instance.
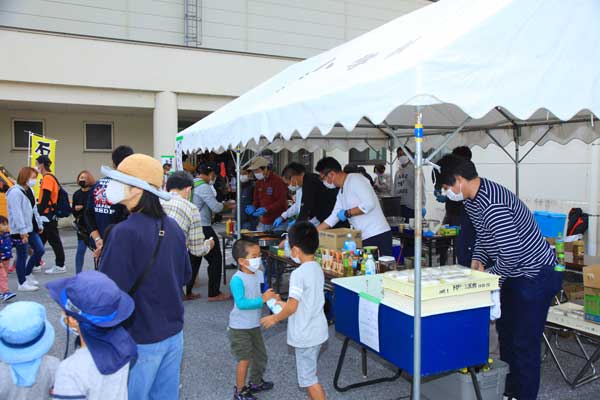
[37, 269]
[7, 296]
[12, 268]
[261, 387]
[244, 394]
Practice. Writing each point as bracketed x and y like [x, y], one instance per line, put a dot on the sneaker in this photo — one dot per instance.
[56, 270]
[32, 280]
[27, 287]
[261, 387]
[6, 297]
[37, 269]
[12, 269]
[244, 394]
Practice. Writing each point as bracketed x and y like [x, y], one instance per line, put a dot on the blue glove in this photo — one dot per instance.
[423, 212]
[250, 209]
[291, 223]
[342, 215]
[260, 212]
[439, 196]
[278, 222]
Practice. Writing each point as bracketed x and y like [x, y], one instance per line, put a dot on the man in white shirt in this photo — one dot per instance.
[357, 203]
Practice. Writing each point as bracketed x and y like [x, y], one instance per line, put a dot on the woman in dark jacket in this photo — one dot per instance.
[86, 181]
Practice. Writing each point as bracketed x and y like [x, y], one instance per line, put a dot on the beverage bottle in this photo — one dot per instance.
[273, 306]
[370, 267]
[349, 244]
[363, 265]
[560, 244]
[347, 267]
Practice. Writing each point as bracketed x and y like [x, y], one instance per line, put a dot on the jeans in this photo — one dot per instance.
[525, 303]
[383, 241]
[51, 235]
[24, 268]
[195, 261]
[155, 374]
[80, 255]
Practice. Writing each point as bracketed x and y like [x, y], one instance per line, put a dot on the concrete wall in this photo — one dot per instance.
[279, 27]
[67, 128]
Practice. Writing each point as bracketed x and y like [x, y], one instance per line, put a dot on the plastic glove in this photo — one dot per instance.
[342, 215]
[277, 223]
[260, 212]
[423, 212]
[439, 196]
[250, 209]
[44, 219]
[291, 223]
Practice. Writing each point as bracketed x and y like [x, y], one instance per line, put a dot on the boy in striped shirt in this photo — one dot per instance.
[509, 240]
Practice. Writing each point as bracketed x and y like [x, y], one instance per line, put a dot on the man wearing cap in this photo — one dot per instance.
[205, 198]
[146, 256]
[357, 203]
[93, 309]
[26, 372]
[270, 194]
[47, 202]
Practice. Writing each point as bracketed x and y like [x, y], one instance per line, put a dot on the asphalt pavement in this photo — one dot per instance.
[208, 366]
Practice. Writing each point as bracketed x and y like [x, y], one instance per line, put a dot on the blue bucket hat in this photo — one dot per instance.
[25, 337]
[99, 306]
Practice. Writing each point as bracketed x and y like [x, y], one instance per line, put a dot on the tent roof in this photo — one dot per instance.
[454, 59]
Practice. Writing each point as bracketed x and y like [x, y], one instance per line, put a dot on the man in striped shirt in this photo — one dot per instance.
[509, 240]
[187, 216]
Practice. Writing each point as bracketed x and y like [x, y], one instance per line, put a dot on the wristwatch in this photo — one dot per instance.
[348, 214]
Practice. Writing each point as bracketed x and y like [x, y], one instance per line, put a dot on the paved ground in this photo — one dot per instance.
[208, 368]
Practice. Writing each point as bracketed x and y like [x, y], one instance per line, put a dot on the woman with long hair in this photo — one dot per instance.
[86, 181]
[25, 227]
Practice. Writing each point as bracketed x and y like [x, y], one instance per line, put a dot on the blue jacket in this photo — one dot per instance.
[5, 246]
[128, 248]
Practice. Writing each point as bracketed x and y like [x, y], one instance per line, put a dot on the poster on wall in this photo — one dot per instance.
[179, 154]
[41, 146]
[167, 160]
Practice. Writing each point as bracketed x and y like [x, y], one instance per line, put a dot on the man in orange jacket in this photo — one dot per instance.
[270, 194]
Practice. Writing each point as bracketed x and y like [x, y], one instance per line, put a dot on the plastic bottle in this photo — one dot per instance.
[370, 267]
[363, 265]
[560, 244]
[273, 306]
[349, 244]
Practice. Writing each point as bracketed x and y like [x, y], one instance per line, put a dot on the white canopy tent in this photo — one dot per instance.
[499, 70]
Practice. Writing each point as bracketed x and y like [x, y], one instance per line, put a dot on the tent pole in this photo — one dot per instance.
[418, 232]
[238, 192]
[594, 177]
[517, 161]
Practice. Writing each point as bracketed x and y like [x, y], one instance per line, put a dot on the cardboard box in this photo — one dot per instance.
[335, 238]
[591, 304]
[574, 291]
[591, 276]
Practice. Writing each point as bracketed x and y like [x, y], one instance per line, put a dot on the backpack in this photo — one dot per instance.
[578, 222]
[62, 209]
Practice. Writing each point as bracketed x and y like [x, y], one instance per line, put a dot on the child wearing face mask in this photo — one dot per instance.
[245, 336]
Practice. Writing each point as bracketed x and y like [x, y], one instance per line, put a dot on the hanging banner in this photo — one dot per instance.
[167, 160]
[41, 146]
[179, 153]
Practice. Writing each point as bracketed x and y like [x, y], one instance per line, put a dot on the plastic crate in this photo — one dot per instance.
[550, 223]
[460, 386]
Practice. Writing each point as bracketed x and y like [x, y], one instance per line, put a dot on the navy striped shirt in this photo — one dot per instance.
[508, 237]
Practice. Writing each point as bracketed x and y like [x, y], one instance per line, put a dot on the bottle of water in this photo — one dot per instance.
[370, 267]
[349, 244]
[273, 306]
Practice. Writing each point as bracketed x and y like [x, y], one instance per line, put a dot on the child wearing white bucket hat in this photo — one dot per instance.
[26, 372]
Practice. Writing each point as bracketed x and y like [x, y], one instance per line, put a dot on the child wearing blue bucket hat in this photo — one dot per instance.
[26, 372]
[94, 309]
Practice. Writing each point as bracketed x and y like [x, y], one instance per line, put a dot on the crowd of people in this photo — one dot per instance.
[127, 313]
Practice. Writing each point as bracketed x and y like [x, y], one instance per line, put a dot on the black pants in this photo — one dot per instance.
[383, 241]
[195, 261]
[50, 235]
[215, 263]
[524, 303]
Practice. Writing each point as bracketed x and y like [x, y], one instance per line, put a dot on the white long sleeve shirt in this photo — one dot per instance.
[294, 209]
[358, 192]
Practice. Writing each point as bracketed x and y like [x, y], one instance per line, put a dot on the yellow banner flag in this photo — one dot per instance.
[41, 146]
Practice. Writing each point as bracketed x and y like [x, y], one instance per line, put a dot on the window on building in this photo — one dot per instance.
[367, 157]
[21, 129]
[98, 136]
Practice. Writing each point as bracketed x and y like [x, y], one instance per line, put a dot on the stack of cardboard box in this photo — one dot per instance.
[591, 283]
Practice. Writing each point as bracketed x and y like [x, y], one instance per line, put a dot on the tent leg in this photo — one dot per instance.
[238, 193]
[517, 161]
[418, 238]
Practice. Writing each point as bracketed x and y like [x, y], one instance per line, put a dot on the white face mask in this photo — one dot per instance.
[296, 259]
[212, 182]
[329, 185]
[403, 160]
[115, 192]
[292, 188]
[254, 264]
[454, 196]
[63, 322]
[259, 175]
[244, 178]
[31, 183]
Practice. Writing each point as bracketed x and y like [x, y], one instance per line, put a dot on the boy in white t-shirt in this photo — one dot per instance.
[307, 325]
[93, 309]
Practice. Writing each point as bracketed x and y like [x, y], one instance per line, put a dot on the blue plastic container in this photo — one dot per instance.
[450, 341]
[550, 223]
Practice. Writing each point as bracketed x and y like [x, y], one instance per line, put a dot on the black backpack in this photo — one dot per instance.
[63, 207]
[578, 222]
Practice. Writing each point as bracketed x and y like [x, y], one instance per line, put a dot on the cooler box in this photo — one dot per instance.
[450, 341]
[550, 223]
[460, 386]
